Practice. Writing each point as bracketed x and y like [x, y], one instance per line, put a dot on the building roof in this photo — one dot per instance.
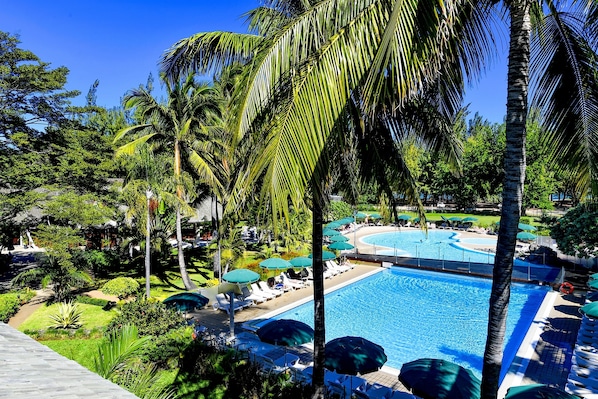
[29, 369]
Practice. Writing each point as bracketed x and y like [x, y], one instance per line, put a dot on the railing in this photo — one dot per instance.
[520, 273]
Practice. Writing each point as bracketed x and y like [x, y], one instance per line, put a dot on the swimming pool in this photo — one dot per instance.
[415, 314]
[438, 244]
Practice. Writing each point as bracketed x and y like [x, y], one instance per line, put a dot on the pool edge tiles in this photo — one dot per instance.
[516, 372]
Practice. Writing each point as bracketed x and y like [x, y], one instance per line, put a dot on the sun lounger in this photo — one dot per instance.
[287, 282]
[340, 268]
[373, 391]
[303, 375]
[278, 365]
[347, 386]
[580, 391]
[250, 296]
[583, 382]
[331, 271]
[258, 291]
[223, 304]
[264, 287]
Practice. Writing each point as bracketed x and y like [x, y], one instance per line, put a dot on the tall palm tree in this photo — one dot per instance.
[180, 126]
[302, 73]
[296, 151]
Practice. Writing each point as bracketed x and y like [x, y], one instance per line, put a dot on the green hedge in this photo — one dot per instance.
[11, 302]
[122, 287]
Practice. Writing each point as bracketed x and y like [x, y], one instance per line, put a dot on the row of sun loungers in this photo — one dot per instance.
[583, 376]
[260, 291]
[298, 361]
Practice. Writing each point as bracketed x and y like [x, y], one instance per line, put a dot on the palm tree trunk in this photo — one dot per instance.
[512, 195]
[189, 285]
[318, 271]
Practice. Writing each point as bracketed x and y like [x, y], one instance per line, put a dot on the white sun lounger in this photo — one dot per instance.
[287, 282]
[264, 287]
[223, 304]
[347, 386]
[336, 266]
[250, 296]
[276, 365]
[258, 291]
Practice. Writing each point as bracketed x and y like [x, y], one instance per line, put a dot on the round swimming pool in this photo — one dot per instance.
[414, 314]
[437, 244]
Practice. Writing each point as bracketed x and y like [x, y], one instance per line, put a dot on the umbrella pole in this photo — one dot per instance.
[231, 314]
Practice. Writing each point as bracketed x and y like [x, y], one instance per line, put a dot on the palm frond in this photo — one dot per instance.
[565, 88]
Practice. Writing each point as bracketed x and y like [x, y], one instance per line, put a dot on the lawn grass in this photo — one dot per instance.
[83, 351]
[92, 317]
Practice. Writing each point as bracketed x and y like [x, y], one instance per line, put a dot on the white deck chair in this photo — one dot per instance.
[249, 296]
[330, 270]
[223, 304]
[264, 287]
[348, 386]
[287, 282]
[340, 268]
[258, 291]
[281, 364]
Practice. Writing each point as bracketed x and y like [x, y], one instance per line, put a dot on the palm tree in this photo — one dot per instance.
[295, 156]
[180, 126]
[313, 63]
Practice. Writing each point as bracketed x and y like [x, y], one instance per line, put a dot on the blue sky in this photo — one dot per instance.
[120, 42]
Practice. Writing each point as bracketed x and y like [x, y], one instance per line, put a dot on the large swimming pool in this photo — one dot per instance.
[415, 314]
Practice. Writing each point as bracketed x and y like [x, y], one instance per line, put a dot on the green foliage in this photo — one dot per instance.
[118, 360]
[209, 372]
[56, 265]
[9, 306]
[339, 210]
[576, 233]
[12, 301]
[79, 209]
[122, 287]
[165, 350]
[100, 262]
[91, 301]
[150, 318]
[68, 315]
[118, 350]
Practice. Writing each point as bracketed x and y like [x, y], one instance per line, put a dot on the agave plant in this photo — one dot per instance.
[67, 316]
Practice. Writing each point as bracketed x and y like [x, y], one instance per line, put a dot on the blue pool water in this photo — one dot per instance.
[414, 314]
[438, 244]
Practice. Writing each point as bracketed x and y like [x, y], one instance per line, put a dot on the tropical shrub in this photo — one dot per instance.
[150, 318]
[576, 233]
[205, 370]
[91, 301]
[122, 287]
[165, 350]
[9, 306]
[12, 301]
[101, 263]
[68, 316]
